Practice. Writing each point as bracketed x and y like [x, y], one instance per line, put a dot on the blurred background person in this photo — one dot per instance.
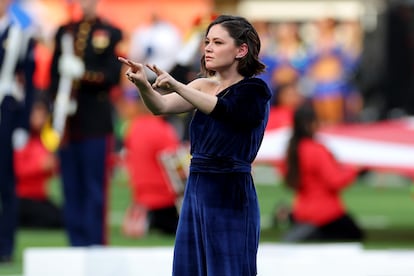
[350, 36]
[318, 181]
[16, 97]
[329, 71]
[264, 30]
[285, 57]
[187, 67]
[34, 167]
[287, 99]
[154, 198]
[290, 54]
[156, 43]
[88, 143]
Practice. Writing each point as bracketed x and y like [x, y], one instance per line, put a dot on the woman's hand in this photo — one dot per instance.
[160, 97]
[164, 82]
[135, 73]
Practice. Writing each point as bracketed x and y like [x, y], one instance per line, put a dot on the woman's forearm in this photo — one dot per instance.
[200, 100]
[152, 99]
[180, 97]
[157, 103]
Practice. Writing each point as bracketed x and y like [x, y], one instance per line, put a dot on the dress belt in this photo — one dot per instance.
[218, 164]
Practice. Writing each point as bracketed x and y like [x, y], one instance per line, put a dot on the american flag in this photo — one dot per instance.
[384, 146]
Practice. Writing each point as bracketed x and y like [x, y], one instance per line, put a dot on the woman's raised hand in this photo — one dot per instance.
[135, 73]
[164, 81]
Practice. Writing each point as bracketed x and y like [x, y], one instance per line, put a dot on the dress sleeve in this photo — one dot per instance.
[244, 105]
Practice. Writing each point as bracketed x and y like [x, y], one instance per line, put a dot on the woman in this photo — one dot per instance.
[219, 224]
[318, 181]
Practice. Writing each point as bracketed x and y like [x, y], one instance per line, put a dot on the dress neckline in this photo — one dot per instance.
[227, 89]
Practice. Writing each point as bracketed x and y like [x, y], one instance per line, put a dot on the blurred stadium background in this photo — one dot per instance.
[382, 202]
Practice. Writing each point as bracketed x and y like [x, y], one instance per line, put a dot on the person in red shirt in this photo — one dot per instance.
[286, 99]
[154, 198]
[34, 167]
[318, 180]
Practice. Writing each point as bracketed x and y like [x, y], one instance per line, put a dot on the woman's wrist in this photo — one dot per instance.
[143, 87]
[178, 87]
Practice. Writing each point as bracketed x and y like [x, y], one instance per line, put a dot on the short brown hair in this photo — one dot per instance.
[242, 32]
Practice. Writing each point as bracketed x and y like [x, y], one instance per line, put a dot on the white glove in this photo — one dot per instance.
[71, 66]
[20, 138]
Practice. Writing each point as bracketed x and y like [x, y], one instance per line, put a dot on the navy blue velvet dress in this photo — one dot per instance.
[219, 227]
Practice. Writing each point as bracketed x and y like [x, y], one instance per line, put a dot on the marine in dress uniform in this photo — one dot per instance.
[16, 96]
[87, 142]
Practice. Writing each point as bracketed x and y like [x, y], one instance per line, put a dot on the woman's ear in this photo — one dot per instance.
[242, 51]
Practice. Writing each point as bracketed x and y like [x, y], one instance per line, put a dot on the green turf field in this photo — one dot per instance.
[382, 204]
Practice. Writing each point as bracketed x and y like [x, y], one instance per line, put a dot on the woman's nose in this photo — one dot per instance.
[207, 48]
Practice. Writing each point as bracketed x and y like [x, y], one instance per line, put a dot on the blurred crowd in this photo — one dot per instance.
[316, 62]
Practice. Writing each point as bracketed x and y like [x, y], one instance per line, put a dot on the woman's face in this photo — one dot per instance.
[220, 49]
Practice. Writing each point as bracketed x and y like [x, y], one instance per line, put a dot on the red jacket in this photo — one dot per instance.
[322, 179]
[146, 138]
[32, 178]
